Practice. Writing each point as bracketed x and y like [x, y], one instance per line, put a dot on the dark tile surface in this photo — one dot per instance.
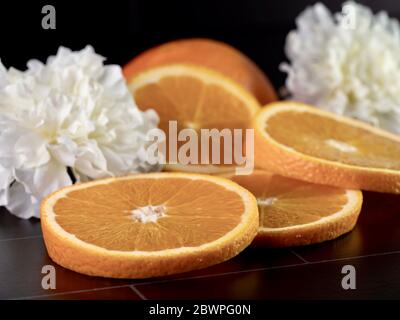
[21, 272]
[376, 278]
[249, 259]
[125, 293]
[22, 260]
[306, 272]
[11, 228]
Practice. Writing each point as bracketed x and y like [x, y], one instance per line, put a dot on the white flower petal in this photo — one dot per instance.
[112, 81]
[6, 178]
[3, 76]
[64, 151]
[35, 66]
[21, 203]
[80, 177]
[350, 70]
[91, 162]
[4, 198]
[115, 162]
[44, 180]
[30, 151]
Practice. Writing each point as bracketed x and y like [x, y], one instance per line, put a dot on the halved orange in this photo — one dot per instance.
[306, 143]
[294, 212]
[208, 53]
[148, 225]
[197, 98]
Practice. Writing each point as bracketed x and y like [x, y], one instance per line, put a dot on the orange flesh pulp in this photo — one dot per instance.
[284, 202]
[150, 214]
[192, 103]
[333, 140]
[195, 105]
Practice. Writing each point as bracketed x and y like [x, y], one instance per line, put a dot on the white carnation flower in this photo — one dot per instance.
[72, 112]
[347, 63]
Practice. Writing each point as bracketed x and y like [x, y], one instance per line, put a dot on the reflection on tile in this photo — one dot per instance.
[249, 259]
[376, 278]
[12, 227]
[20, 272]
[125, 293]
[22, 262]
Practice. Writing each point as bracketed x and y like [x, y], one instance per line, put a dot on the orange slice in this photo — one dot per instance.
[197, 98]
[208, 53]
[299, 141]
[148, 225]
[293, 212]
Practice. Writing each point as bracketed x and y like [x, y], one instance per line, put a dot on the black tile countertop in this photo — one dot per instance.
[312, 272]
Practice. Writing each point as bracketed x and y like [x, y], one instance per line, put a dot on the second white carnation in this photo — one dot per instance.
[347, 67]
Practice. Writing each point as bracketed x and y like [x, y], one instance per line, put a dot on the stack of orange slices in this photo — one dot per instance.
[311, 165]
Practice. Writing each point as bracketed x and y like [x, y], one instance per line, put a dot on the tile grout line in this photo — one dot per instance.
[209, 275]
[157, 282]
[265, 269]
[356, 257]
[70, 292]
[21, 238]
[268, 268]
[299, 256]
[137, 291]
[221, 274]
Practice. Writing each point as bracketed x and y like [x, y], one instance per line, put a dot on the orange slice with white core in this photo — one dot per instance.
[197, 98]
[148, 225]
[294, 213]
[306, 143]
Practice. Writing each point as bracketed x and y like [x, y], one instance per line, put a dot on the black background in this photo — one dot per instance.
[121, 29]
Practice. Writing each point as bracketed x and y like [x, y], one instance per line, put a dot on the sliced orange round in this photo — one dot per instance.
[209, 53]
[303, 142]
[294, 212]
[148, 225]
[197, 98]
